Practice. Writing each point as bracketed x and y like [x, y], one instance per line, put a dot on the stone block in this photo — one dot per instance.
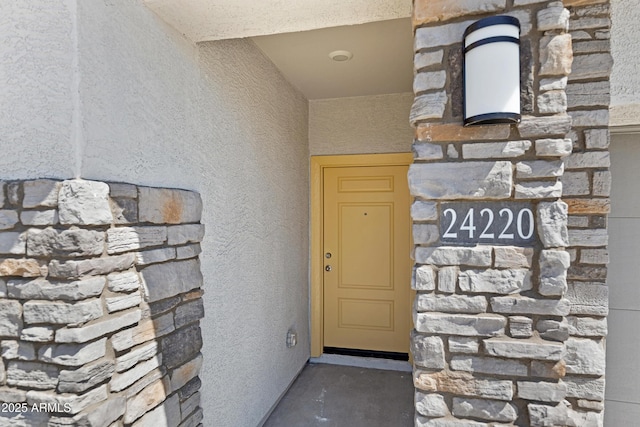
[468, 180]
[124, 211]
[526, 305]
[463, 345]
[585, 356]
[12, 395]
[463, 384]
[424, 211]
[589, 238]
[189, 251]
[452, 152]
[124, 239]
[447, 279]
[145, 401]
[423, 60]
[185, 373]
[85, 377]
[534, 126]
[539, 169]
[168, 206]
[66, 243]
[444, 132]
[425, 278]
[165, 414]
[73, 269]
[550, 147]
[61, 313]
[73, 403]
[427, 351]
[587, 326]
[182, 234]
[128, 191]
[576, 184]
[593, 94]
[102, 415]
[538, 190]
[524, 348]
[588, 206]
[24, 267]
[554, 17]
[498, 150]
[591, 46]
[430, 404]
[489, 365]
[189, 312]
[553, 83]
[602, 183]
[512, 257]
[590, 118]
[10, 318]
[553, 272]
[37, 334]
[162, 281]
[585, 418]
[552, 224]
[73, 354]
[25, 419]
[181, 346]
[123, 282]
[17, 350]
[556, 55]
[554, 370]
[41, 193]
[13, 243]
[44, 290]
[590, 159]
[479, 256]
[48, 217]
[593, 66]
[443, 10]
[131, 358]
[585, 388]
[122, 380]
[451, 303]
[100, 328]
[460, 324]
[590, 405]
[421, 421]
[553, 330]
[542, 415]
[145, 331]
[83, 202]
[552, 102]
[485, 409]
[32, 375]
[429, 80]
[122, 302]
[425, 234]
[8, 219]
[520, 327]
[495, 281]
[427, 151]
[190, 388]
[588, 298]
[14, 190]
[428, 106]
[154, 256]
[542, 391]
[596, 139]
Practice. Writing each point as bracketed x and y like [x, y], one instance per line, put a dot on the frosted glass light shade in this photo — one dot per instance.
[492, 71]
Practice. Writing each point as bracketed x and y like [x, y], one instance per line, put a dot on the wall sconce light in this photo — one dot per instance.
[491, 71]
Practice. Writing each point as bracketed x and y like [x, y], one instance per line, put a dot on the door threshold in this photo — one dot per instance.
[363, 362]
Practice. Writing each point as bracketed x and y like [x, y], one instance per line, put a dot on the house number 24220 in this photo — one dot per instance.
[487, 224]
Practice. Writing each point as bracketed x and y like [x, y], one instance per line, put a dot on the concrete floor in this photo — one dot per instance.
[334, 396]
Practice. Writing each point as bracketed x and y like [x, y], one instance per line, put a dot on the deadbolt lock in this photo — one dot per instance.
[327, 255]
[327, 268]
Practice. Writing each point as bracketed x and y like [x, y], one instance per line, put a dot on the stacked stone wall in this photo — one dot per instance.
[512, 332]
[100, 303]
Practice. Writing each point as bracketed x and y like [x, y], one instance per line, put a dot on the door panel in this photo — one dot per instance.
[367, 233]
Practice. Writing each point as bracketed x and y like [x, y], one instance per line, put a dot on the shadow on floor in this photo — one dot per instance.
[335, 396]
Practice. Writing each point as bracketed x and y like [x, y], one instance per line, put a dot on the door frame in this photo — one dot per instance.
[318, 164]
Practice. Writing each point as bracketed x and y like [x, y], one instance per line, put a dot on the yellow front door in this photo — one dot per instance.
[366, 258]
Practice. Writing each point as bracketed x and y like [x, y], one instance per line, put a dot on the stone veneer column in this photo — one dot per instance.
[512, 334]
[100, 301]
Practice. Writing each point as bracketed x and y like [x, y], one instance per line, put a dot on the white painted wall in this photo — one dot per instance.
[36, 98]
[625, 77]
[218, 119]
[359, 125]
[623, 364]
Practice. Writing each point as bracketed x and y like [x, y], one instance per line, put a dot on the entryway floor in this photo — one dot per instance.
[327, 395]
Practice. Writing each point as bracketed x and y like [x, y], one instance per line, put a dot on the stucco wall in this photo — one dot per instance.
[358, 125]
[37, 75]
[218, 119]
[625, 79]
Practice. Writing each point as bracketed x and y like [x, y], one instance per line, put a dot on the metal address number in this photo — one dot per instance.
[466, 223]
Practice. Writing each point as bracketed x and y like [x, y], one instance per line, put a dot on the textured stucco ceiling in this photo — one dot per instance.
[206, 20]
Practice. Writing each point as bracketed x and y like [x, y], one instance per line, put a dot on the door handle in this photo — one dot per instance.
[327, 268]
